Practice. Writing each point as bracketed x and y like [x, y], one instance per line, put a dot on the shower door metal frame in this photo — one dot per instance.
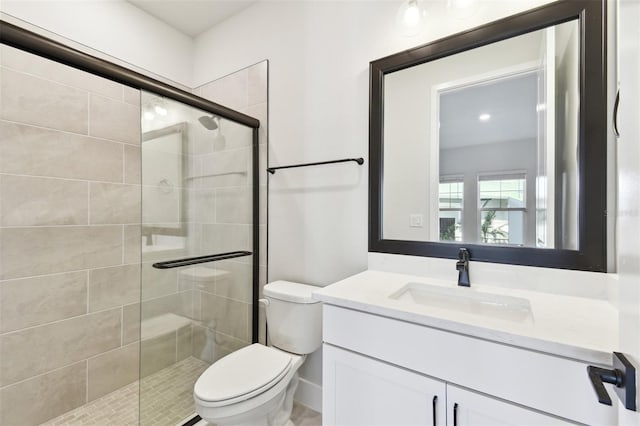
[20, 38]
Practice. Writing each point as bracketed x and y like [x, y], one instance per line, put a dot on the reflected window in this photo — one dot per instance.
[451, 197]
[502, 209]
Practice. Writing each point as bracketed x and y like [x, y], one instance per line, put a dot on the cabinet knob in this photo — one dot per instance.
[623, 376]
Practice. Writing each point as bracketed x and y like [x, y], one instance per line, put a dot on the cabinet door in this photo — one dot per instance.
[358, 390]
[467, 408]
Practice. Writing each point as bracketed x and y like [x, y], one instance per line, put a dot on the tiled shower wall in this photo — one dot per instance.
[69, 237]
[226, 308]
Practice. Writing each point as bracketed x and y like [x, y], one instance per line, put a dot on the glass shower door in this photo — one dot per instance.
[197, 244]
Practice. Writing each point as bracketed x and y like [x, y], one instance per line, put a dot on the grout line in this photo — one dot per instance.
[86, 383]
[66, 69]
[111, 182]
[88, 203]
[42, 374]
[122, 326]
[20, 330]
[88, 288]
[88, 113]
[124, 160]
[53, 129]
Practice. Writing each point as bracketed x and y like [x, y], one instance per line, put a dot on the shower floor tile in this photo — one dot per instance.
[167, 398]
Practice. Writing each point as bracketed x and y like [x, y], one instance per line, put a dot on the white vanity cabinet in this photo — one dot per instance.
[383, 371]
[363, 391]
[359, 390]
[468, 408]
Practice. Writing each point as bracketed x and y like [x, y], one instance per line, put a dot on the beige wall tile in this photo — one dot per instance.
[225, 315]
[262, 230]
[58, 249]
[113, 370]
[44, 397]
[27, 150]
[32, 301]
[261, 112]
[203, 343]
[22, 61]
[32, 100]
[113, 287]
[185, 343]
[158, 282]
[263, 164]
[132, 241]
[230, 343]
[227, 237]
[237, 284]
[226, 168]
[131, 95]
[36, 350]
[230, 91]
[130, 323]
[201, 205]
[111, 203]
[28, 201]
[157, 353]
[257, 80]
[115, 120]
[234, 205]
[177, 303]
[132, 164]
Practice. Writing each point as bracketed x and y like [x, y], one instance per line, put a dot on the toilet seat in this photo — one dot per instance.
[241, 375]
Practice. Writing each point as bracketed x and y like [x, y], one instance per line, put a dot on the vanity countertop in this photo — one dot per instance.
[574, 327]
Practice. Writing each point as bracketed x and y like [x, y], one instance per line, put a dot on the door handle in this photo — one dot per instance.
[622, 375]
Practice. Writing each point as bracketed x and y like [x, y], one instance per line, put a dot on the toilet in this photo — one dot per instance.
[255, 385]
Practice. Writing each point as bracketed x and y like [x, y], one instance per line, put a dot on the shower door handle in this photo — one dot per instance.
[169, 264]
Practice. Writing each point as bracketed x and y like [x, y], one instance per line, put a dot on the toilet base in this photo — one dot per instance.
[274, 412]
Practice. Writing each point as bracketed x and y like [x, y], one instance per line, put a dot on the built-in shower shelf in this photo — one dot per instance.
[162, 324]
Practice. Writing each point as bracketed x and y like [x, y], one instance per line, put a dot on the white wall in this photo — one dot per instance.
[115, 28]
[319, 54]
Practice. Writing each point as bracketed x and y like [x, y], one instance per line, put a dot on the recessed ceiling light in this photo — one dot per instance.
[484, 117]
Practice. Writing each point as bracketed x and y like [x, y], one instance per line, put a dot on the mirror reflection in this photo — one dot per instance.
[481, 146]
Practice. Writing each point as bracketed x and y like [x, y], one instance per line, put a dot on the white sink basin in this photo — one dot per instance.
[462, 299]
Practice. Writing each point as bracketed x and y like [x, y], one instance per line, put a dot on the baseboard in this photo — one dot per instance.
[309, 394]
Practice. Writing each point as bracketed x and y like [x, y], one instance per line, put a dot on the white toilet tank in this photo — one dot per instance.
[294, 318]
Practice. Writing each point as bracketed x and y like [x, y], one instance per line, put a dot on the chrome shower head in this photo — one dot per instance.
[209, 122]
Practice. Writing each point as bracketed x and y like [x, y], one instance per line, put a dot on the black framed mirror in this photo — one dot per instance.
[495, 139]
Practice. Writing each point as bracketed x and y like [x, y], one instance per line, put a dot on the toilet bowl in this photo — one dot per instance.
[255, 385]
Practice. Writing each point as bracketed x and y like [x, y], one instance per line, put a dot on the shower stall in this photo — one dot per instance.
[129, 238]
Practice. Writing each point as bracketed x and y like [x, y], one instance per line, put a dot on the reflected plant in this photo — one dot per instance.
[448, 234]
[488, 231]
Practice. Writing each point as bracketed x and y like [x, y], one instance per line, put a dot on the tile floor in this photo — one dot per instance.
[160, 405]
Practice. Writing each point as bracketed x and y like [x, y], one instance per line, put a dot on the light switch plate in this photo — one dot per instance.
[415, 221]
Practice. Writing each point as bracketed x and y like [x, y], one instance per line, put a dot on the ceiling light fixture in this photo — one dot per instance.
[484, 117]
[410, 17]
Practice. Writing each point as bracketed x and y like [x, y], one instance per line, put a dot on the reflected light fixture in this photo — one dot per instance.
[148, 115]
[484, 117]
[160, 110]
[410, 17]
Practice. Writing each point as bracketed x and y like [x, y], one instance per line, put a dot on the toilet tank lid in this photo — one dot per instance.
[291, 292]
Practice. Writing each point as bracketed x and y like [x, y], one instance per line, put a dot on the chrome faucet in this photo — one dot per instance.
[462, 265]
